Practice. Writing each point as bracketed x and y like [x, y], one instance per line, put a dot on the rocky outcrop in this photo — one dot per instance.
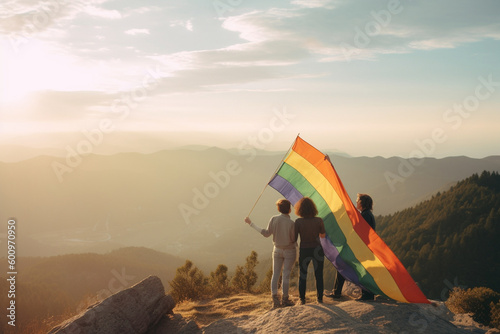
[351, 317]
[144, 308]
[134, 310]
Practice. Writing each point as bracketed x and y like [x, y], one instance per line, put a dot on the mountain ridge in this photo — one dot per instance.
[23, 153]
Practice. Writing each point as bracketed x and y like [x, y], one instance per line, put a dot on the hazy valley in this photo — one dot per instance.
[187, 203]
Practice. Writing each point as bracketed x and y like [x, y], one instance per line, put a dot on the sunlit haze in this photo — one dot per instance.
[378, 78]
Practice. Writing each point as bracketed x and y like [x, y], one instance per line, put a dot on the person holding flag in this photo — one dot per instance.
[281, 227]
[350, 243]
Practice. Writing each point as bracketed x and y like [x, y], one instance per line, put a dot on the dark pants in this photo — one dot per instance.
[316, 255]
[338, 285]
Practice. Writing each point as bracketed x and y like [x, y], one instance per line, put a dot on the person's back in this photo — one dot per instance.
[282, 228]
[309, 230]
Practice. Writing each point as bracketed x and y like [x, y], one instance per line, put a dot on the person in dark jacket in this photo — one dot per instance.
[364, 204]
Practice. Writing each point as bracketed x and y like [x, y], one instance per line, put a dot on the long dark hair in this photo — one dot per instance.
[306, 208]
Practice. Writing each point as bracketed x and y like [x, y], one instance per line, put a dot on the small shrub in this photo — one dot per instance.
[219, 282]
[189, 283]
[477, 301]
[245, 277]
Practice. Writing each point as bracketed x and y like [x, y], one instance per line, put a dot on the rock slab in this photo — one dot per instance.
[133, 310]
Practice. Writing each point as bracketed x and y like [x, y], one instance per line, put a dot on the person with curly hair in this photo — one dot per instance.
[310, 228]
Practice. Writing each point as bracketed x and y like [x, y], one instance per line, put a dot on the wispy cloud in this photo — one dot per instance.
[32, 17]
[135, 32]
[370, 31]
[314, 3]
[143, 10]
[187, 24]
[256, 47]
[103, 13]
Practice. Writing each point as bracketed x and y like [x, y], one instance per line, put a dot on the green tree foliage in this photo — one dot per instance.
[454, 235]
[189, 283]
[245, 277]
[482, 302]
[219, 281]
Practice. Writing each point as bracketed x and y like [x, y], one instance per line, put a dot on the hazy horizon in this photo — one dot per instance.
[12, 153]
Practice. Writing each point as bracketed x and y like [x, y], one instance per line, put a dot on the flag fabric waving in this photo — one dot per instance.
[353, 247]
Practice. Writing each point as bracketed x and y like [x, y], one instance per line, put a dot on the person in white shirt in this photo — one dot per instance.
[281, 227]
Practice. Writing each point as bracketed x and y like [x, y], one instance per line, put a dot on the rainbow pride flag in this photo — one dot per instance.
[353, 247]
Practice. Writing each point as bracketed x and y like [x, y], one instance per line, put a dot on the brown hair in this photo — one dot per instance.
[284, 206]
[306, 208]
[365, 201]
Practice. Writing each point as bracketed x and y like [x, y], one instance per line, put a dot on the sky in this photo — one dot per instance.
[367, 78]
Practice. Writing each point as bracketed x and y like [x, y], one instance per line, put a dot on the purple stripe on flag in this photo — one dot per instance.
[286, 189]
[332, 254]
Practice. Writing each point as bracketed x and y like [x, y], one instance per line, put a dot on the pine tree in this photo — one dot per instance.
[489, 225]
[189, 283]
[246, 277]
[238, 281]
[219, 281]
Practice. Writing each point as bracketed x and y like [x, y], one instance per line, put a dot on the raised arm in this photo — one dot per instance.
[265, 232]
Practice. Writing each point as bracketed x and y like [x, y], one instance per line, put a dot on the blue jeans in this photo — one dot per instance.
[317, 257]
[282, 258]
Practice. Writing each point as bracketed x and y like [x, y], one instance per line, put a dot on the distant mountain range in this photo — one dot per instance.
[16, 153]
[190, 203]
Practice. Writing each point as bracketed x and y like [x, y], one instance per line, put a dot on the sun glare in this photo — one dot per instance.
[35, 66]
[16, 81]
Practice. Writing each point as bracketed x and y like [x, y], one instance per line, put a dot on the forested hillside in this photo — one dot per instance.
[452, 238]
